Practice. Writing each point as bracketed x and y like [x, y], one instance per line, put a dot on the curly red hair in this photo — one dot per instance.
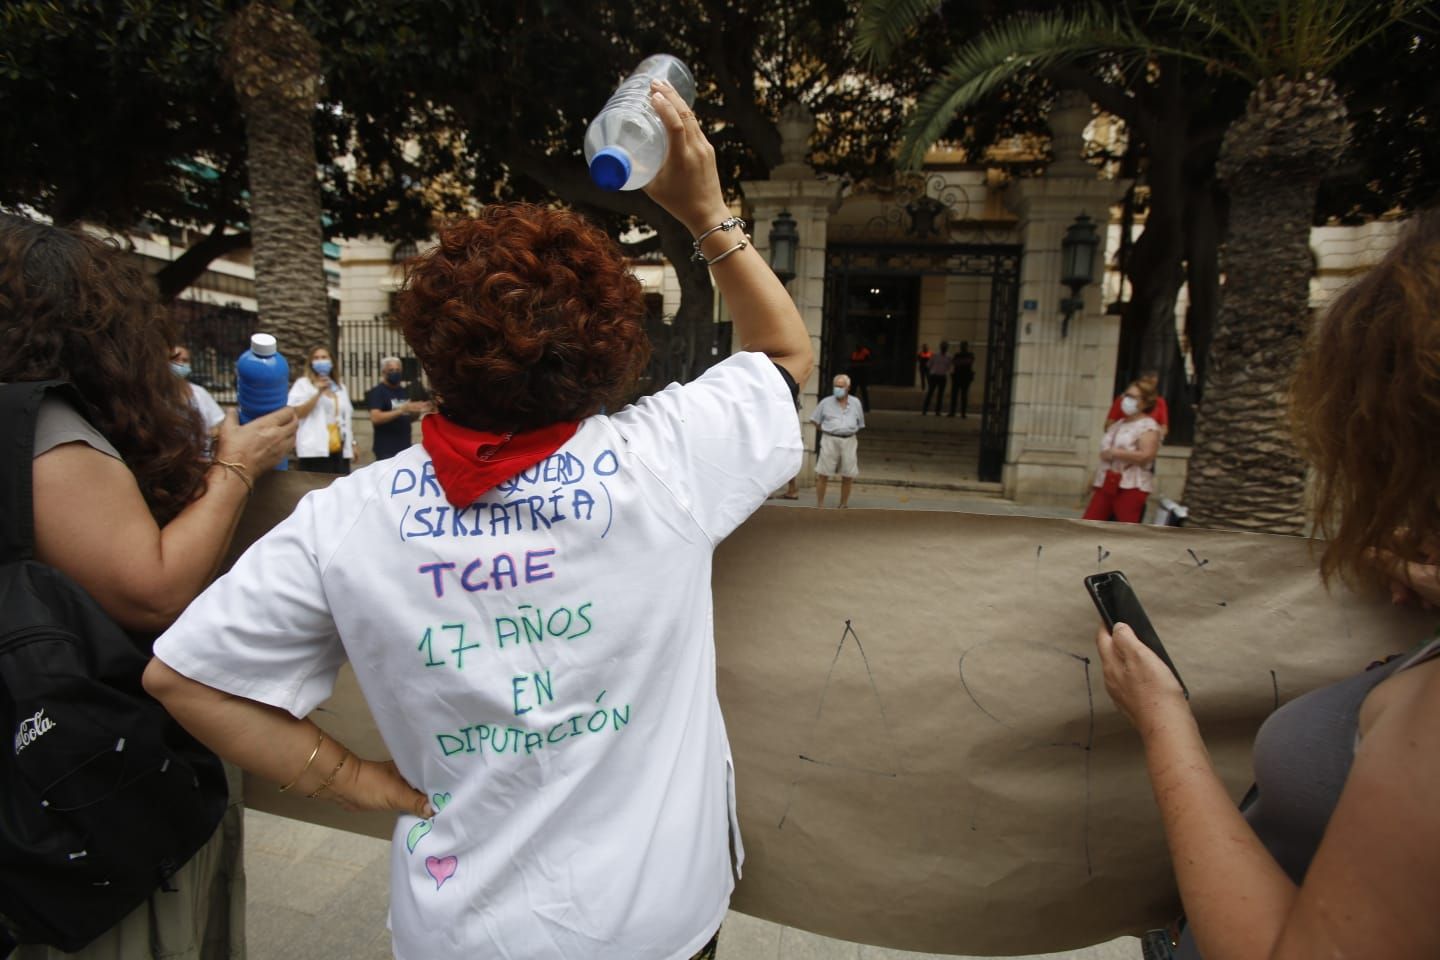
[524, 317]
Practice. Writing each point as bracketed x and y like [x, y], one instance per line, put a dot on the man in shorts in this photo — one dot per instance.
[839, 417]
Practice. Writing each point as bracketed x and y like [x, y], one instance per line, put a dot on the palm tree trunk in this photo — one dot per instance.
[274, 65]
[1245, 472]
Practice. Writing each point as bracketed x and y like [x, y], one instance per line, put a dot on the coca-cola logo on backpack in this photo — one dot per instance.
[32, 729]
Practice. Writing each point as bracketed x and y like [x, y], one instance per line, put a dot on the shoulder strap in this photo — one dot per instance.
[19, 410]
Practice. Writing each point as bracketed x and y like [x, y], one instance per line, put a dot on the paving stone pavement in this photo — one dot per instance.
[321, 894]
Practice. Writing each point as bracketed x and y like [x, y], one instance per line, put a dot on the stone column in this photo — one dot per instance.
[794, 187]
[1062, 384]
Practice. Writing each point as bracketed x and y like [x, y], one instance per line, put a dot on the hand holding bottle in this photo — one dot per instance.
[260, 444]
[688, 183]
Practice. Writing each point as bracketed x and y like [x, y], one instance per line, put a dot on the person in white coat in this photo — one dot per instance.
[325, 442]
[531, 621]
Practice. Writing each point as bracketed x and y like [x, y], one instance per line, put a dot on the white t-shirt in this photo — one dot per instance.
[542, 662]
[209, 410]
[312, 437]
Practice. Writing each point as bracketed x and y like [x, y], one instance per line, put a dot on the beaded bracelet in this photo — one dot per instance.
[330, 779]
[729, 223]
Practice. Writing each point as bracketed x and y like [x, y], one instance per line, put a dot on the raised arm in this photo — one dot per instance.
[688, 187]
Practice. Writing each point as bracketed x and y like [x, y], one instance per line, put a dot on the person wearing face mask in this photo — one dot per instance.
[391, 410]
[1127, 459]
[838, 417]
[1161, 413]
[210, 413]
[325, 442]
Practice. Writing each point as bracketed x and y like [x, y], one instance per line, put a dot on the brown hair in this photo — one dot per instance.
[72, 308]
[310, 373]
[524, 317]
[1365, 403]
[1148, 395]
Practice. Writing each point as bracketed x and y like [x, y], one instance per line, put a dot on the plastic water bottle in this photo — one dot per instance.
[262, 381]
[626, 142]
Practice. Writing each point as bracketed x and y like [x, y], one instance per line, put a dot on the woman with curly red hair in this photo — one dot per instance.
[126, 504]
[525, 596]
[1338, 855]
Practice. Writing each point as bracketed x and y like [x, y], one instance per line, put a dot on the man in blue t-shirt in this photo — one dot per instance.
[392, 410]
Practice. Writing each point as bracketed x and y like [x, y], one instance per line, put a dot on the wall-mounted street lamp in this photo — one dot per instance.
[784, 242]
[1077, 266]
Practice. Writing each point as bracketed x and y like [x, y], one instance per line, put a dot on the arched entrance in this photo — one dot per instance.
[890, 298]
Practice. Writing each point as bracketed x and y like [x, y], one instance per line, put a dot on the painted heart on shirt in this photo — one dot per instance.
[439, 800]
[417, 833]
[441, 869]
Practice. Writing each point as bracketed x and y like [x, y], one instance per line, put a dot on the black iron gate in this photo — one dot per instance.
[999, 263]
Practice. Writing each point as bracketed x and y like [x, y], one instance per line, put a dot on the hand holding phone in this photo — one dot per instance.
[1117, 603]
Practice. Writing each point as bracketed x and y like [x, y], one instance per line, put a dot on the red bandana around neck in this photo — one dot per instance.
[470, 462]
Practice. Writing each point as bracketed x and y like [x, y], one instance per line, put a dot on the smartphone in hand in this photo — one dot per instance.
[1117, 603]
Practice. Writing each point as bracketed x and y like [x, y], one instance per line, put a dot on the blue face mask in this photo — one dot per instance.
[182, 370]
[840, 393]
[322, 367]
[393, 378]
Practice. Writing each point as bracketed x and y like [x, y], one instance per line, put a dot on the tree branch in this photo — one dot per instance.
[639, 248]
[190, 265]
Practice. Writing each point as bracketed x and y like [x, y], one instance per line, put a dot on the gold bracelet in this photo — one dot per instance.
[313, 754]
[239, 470]
[330, 779]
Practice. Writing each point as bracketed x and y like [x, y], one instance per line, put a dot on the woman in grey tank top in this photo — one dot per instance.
[1339, 854]
[127, 507]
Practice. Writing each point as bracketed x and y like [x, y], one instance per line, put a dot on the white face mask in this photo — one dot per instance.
[1130, 406]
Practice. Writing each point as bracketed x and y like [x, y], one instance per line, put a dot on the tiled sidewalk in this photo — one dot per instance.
[321, 894]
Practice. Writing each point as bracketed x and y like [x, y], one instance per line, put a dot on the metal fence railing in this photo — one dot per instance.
[364, 343]
[217, 336]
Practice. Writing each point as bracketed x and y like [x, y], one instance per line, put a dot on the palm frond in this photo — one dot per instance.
[1235, 23]
[1355, 35]
[882, 25]
[1292, 37]
[1024, 44]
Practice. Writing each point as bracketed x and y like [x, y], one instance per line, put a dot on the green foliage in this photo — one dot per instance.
[424, 103]
[102, 98]
[1248, 39]
[1256, 39]
[885, 25]
[1027, 44]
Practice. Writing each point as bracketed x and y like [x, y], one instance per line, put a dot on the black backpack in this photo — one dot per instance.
[103, 796]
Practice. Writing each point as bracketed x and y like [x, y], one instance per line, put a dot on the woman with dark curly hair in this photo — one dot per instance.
[1339, 854]
[125, 504]
[525, 596]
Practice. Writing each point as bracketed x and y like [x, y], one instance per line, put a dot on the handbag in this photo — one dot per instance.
[337, 442]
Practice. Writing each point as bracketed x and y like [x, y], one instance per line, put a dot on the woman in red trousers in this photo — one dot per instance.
[1127, 460]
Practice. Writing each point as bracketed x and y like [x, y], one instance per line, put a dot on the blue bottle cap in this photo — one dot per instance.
[610, 168]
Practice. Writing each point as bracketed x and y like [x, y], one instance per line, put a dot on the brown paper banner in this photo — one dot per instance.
[926, 758]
